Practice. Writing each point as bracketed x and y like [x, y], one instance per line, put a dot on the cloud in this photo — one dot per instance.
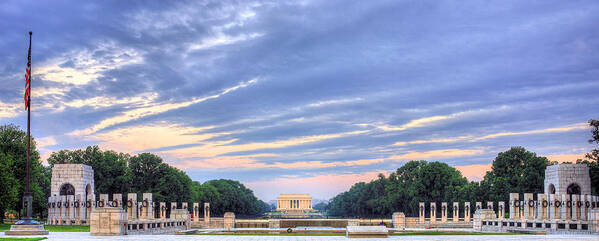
[10, 110]
[248, 162]
[154, 110]
[437, 154]
[222, 39]
[44, 142]
[211, 149]
[428, 121]
[82, 66]
[150, 136]
[578, 126]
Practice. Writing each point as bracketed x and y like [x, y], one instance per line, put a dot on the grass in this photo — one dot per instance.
[53, 228]
[23, 239]
[273, 234]
[448, 233]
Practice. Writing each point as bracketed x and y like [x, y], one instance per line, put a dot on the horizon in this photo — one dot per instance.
[305, 97]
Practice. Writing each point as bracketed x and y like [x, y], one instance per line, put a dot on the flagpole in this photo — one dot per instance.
[27, 195]
[28, 190]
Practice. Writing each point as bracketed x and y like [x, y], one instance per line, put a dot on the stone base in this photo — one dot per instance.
[20, 230]
[366, 232]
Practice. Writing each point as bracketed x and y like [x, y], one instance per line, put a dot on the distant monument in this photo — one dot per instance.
[294, 203]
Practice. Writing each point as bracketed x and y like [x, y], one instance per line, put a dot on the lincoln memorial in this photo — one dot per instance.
[294, 202]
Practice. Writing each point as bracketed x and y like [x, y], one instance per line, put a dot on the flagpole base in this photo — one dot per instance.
[26, 229]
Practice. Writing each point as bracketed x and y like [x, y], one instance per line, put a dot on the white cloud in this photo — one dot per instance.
[154, 110]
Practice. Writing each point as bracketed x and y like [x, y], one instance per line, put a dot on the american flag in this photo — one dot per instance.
[28, 78]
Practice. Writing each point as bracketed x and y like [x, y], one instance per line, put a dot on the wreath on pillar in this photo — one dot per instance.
[557, 204]
[569, 203]
[53, 204]
[516, 203]
[76, 204]
[59, 205]
[587, 204]
[578, 204]
[101, 203]
[115, 203]
[545, 203]
[130, 203]
[145, 203]
[531, 203]
[88, 204]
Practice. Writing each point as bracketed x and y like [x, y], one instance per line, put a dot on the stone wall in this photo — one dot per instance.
[561, 176]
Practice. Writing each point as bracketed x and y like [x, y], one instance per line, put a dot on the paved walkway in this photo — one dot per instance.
[85, 236]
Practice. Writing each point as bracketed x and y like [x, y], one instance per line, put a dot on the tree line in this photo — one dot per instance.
[114, 172]
[516, 170]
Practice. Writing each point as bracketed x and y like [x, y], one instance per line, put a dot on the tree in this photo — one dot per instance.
[9, 186]
[13, 158]
[593, 157]
[416, 181]
[514, 171]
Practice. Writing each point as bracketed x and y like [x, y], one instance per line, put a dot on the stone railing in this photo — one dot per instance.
[109, 221]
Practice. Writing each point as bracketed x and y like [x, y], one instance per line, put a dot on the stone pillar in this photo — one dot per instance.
[108, 221]
[162, 210]
[433, 212]
[586, 205]
[542, 205]
[90, 205]
[478, 206]
[444, 212]
[70, 209]
[62, 209]
[421, 212]
[456, 212]
[103, 202]
[528, 206]
[173, 208]
[184, 206]
[117, 200]
[564, 209]
[490, 205]
[575, 207]
[501, 210]
[207, 213]
[553, 208]
[593, 217]
[147, 206]
[132, 206]
[399, 220]
[196, 212]
[467, 212]
[229, 220]
[514, 205]
[49, 207]
[78, 208]
[140, 210]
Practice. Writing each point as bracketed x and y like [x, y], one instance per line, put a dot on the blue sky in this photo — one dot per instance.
[305, 96]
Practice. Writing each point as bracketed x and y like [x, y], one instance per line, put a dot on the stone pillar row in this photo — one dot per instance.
[552, 206]
[455, 214]
[70, 209]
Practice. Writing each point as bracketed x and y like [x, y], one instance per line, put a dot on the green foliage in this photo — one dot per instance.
[13, 159]
[516, 170]
[322, 207]
[593, 157]
[228, 195]
[416, 181]
[146, 172]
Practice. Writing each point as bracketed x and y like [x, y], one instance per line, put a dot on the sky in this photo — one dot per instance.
[305, 96]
